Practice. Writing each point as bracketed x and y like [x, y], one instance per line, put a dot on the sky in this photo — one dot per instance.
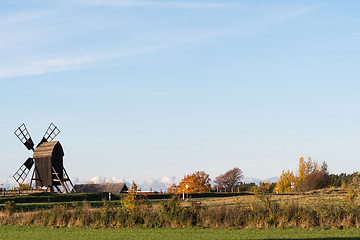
[150, 91]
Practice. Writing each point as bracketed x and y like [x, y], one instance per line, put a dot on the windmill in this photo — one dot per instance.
[48, 155]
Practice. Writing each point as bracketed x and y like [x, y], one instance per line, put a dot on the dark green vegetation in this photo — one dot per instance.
[18, 232]
[52, 197]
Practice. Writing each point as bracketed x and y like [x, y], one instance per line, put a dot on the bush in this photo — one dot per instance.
[10, 207]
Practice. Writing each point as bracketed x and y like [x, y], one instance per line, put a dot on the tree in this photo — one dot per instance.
[314, 177]
[172, 189]
[304, 169]
[310, 176]
[286, 182]
[196, 182]
[130, 202]
[315, 180]
[229, 179]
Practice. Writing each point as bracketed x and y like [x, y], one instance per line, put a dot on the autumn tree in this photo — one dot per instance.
[173, 188]
[310, 176]
[229, 179]
[130, 202]
[304, 169]
[197, 182]
[315, 180]
[286, 182]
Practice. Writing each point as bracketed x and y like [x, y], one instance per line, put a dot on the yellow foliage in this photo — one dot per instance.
[130, 202]
[350, 196]
[286, 182]
[304, 169]
[289, 182]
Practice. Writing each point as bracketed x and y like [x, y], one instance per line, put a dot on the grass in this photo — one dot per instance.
[323, 208]
[47, 201]
[19, 232]
[327, 196]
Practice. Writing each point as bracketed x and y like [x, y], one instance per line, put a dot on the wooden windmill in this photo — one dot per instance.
[48, 156]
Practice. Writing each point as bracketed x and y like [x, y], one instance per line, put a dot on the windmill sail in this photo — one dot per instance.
[21, 174]
[50, 134]
[23, 135]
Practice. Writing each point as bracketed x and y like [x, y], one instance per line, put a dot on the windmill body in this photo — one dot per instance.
[48, 156]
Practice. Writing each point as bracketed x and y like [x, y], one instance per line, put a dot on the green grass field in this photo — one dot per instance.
[17, 232]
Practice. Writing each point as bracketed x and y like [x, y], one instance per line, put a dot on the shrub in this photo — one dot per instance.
[10, 207]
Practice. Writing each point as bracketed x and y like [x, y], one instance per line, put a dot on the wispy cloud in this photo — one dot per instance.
[157, 4]
[38, 66]
[25, 16]
[297, 12]
[34, 65]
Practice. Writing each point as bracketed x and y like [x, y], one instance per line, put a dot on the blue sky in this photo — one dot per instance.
[153, 90]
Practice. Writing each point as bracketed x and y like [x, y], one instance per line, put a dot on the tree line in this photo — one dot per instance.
[199, 182]
[310, 175]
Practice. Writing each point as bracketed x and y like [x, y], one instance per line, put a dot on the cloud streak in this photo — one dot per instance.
[153, 4]
[36, 66]
[298, 12]
[25, 16]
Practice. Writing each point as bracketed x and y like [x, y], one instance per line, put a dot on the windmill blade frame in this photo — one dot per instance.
[24, 136]
[23, 171]
[50, 134]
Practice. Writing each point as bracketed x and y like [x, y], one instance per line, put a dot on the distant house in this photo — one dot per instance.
[106, 187]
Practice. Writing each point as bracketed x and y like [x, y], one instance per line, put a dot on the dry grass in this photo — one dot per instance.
[317, 197]
[323, 208]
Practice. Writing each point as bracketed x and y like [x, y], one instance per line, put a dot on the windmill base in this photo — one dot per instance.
[62, 186]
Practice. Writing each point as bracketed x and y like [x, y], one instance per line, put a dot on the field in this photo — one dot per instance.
[316, 197]
[44, 201]
[17, 232]
[323, 209]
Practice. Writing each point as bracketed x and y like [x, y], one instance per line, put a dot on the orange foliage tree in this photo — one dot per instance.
[172, 189]
[197, 182]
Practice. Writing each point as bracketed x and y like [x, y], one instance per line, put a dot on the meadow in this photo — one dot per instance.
[25, 232]
[47, 201]
[327, 209]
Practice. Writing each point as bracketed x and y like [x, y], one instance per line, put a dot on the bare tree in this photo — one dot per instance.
[229, 179]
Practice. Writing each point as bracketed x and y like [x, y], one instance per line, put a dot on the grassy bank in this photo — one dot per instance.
[174, 213]
[323, 208]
